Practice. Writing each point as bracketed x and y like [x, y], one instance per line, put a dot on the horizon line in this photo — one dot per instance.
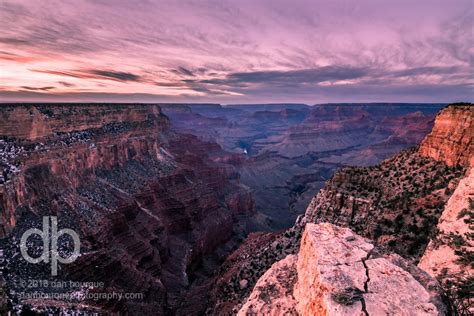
[234, 104]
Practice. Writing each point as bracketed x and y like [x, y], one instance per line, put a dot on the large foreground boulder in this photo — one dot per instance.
[337, 272]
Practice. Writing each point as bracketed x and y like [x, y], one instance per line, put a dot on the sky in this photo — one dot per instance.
[236, 51]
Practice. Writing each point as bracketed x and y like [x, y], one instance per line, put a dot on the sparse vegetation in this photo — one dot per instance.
[459, 295]
[465, 257]
[348, 297]
[463, 213]
[404, 197]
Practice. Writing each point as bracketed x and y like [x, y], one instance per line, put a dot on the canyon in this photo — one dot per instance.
[210, 209]
[397, 204]
[306, 144]
[148, 210]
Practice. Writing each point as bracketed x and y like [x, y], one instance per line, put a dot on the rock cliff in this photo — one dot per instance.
[149, 205]
[450, 254]
[397, 203]
[451, 139]
[32, 122]
[337, 272]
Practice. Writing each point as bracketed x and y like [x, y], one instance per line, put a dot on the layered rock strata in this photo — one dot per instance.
[148, 204]
[451, 139]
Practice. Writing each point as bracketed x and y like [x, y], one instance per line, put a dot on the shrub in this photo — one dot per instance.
[348, 297]
[465, 257]
[378, 231]
[462, 213]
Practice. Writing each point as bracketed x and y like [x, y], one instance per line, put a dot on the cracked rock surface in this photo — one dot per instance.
[273, 291]
[341, 273]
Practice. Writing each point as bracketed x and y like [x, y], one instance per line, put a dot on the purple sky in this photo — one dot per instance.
[236, 51]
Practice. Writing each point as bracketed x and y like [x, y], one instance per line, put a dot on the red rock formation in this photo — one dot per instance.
[449, 254]
[451, 139]
[148, 204]
[38, 121]
[74, 142]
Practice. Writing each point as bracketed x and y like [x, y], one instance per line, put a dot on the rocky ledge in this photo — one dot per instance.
[337, 272]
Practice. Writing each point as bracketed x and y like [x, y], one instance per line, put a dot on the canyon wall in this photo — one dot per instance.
[148, 204]
[397, 203]
[32, 122]
[71, 142]
[450, 253]
[451, 139]
[306, 144]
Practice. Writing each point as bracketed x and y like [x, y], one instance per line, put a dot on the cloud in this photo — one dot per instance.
[95, 74]
[426, 71]
[66, 84]
[15, 41]
[248, 49]
[183, 71]
[314, 80]
[35, 96]
[8, 56]
[304, 76]
[319, 94]
[37, 88]
[116, 75]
